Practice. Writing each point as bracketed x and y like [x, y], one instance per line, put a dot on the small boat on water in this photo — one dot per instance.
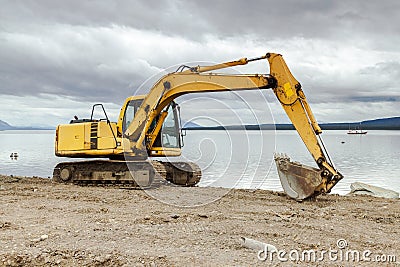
[356, 131]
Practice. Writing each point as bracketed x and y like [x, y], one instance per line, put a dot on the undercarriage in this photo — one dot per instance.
[140, 174]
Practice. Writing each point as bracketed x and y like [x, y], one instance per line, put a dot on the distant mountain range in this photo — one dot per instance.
[378, 124]
[5, 126]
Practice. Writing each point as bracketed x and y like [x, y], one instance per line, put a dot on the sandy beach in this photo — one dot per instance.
[48, 224]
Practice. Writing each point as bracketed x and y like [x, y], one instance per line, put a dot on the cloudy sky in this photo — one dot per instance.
[60, 57]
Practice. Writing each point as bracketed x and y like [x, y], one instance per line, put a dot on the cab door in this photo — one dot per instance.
[168, 141]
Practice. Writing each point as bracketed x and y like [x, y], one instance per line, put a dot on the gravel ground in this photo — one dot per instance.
[47, 224]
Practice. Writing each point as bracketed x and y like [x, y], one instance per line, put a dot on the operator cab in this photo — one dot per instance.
[168, 141]
[169, 136]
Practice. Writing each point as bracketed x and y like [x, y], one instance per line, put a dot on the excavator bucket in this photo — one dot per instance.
[298, 181]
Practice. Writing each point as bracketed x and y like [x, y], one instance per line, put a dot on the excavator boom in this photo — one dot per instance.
[298, 181]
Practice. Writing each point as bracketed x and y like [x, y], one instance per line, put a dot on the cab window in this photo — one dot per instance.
[170, 129]
[130, 112]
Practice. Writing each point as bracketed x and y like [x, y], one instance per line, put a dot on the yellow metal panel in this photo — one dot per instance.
[89, 153]
[104, 129]
[71, 137]
[87, 136]
[106, 143]
[105, 137]
[163, 152]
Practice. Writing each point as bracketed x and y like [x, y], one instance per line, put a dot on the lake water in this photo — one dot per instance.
[240, 159]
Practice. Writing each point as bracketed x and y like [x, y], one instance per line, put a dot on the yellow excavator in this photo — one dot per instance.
[149, 126]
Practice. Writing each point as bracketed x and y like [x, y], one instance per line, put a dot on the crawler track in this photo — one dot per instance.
[182, 173]
[137, 174]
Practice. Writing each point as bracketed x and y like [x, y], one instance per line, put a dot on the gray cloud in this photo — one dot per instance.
[310, 19]
[345, 52]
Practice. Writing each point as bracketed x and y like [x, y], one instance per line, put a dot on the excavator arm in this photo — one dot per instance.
[298, 181]
[301, 181]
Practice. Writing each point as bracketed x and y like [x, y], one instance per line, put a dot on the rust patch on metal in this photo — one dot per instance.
[298, 181]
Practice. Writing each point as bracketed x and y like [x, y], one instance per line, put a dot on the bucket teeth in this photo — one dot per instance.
[298, 181]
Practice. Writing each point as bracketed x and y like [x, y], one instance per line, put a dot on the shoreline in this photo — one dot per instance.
[44, 223]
